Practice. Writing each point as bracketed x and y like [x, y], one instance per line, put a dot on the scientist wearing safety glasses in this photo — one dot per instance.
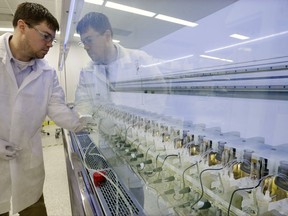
[110, 63]
[29, 90]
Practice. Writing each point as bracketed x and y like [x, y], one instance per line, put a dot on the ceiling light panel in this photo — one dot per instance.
[6, 29]
[129, 9]
[240, 37]
[167, 61]
[175, 20]
[249, 41]
[97, 2]
[216, 58]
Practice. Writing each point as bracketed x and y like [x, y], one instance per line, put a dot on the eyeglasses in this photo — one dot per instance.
[45, 36]
[90, 40]
[87, 41]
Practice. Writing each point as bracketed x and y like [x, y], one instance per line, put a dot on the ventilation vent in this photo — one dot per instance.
[121, 32]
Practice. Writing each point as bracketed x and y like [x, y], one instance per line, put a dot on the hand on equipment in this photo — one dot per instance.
[86, 122]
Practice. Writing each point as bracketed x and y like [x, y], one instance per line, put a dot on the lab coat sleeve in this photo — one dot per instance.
[59, 112]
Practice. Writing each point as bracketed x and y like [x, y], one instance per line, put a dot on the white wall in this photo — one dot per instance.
[52, 56]
[76, 59]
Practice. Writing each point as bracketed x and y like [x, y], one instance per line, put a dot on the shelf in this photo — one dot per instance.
[266, 82]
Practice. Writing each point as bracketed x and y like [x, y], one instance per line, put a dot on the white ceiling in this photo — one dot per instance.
[133, 31]
[217, 19]
[136, 31]
[8, 7]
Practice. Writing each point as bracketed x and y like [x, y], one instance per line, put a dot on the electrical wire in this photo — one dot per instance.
[147, 151]
[145, 159]
[126, 129]
[247, 188]
[201, 184]
[156, 165]
[183, 179]
[171, 155]
[154, 173]
[202, 189]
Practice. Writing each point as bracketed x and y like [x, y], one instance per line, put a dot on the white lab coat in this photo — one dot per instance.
[95, 83]
[22, 111]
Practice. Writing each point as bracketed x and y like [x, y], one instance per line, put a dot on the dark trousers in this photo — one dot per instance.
[37, 209]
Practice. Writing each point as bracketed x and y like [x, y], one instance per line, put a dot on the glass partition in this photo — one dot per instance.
[188, 119]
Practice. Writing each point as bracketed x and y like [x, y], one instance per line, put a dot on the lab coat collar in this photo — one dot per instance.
[3, 41]
[4, 57]
[40, 65]
[121, 53]
[38, 68]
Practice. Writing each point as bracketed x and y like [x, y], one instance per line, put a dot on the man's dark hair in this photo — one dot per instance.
[34, 14]
[98, 21]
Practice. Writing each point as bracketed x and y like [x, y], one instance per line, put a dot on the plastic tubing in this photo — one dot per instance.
[116, 187]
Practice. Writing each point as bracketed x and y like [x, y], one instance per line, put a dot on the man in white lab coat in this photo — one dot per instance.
[29, 90]
[111, 63]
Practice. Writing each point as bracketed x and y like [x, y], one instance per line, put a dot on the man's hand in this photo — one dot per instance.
[7, 150]
[86, 121]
